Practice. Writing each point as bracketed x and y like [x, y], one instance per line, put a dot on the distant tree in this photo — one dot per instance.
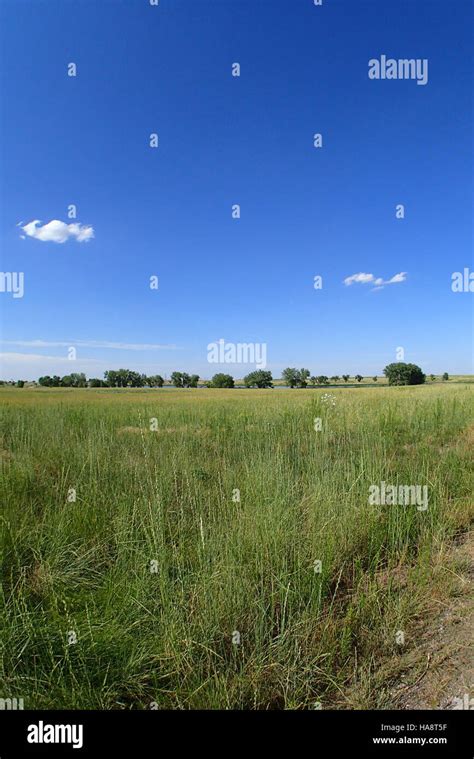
[134, 379]
[303, 376]
[375, 378]
[322, 380]
[20, 383]
[74, 380]
[193, 380]
[335, 378]
[346, 377]
[182, 379]
[55, 381]
[95, 382]
[259, 378]
[313, 380]
[124, 378]
[117, 378]
[222, 380]
[45, 381]
[359, 377]
[445, 377]
[296, 377]
[110, 377]
[156, 380]
[432, 377]
[290, 377]
[400, 373]
[177, 379]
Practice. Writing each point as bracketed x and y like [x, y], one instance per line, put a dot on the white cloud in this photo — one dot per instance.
[401, 277]
[361, 277]
[57, 231]
[89, 344]
[37, 358]
[379, 283]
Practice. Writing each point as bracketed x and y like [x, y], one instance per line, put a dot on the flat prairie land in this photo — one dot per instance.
[217, 549]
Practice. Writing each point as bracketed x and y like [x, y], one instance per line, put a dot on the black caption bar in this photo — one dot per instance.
[384, 733]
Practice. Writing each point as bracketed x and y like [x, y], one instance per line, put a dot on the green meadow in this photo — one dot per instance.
[216, 549]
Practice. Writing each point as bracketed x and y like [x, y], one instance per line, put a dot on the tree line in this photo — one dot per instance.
[112, 378]
[302, 378]
[129, 378]
[398, 373]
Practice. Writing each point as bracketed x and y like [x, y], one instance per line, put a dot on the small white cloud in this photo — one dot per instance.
[401, 277]
[361, 277]
[397, 278]
[58, 231]
[379, 283]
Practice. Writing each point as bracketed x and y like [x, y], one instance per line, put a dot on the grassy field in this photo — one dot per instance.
[158, 588]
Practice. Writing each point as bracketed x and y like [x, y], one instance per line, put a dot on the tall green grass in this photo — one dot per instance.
[232, 613]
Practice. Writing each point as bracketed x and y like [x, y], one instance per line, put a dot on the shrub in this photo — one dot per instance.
[259, 378]
[222, 380]
[400, 373]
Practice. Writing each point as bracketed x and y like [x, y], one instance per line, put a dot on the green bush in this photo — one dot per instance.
[400, 373]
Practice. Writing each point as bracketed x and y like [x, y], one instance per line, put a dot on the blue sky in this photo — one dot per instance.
[227, 140]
